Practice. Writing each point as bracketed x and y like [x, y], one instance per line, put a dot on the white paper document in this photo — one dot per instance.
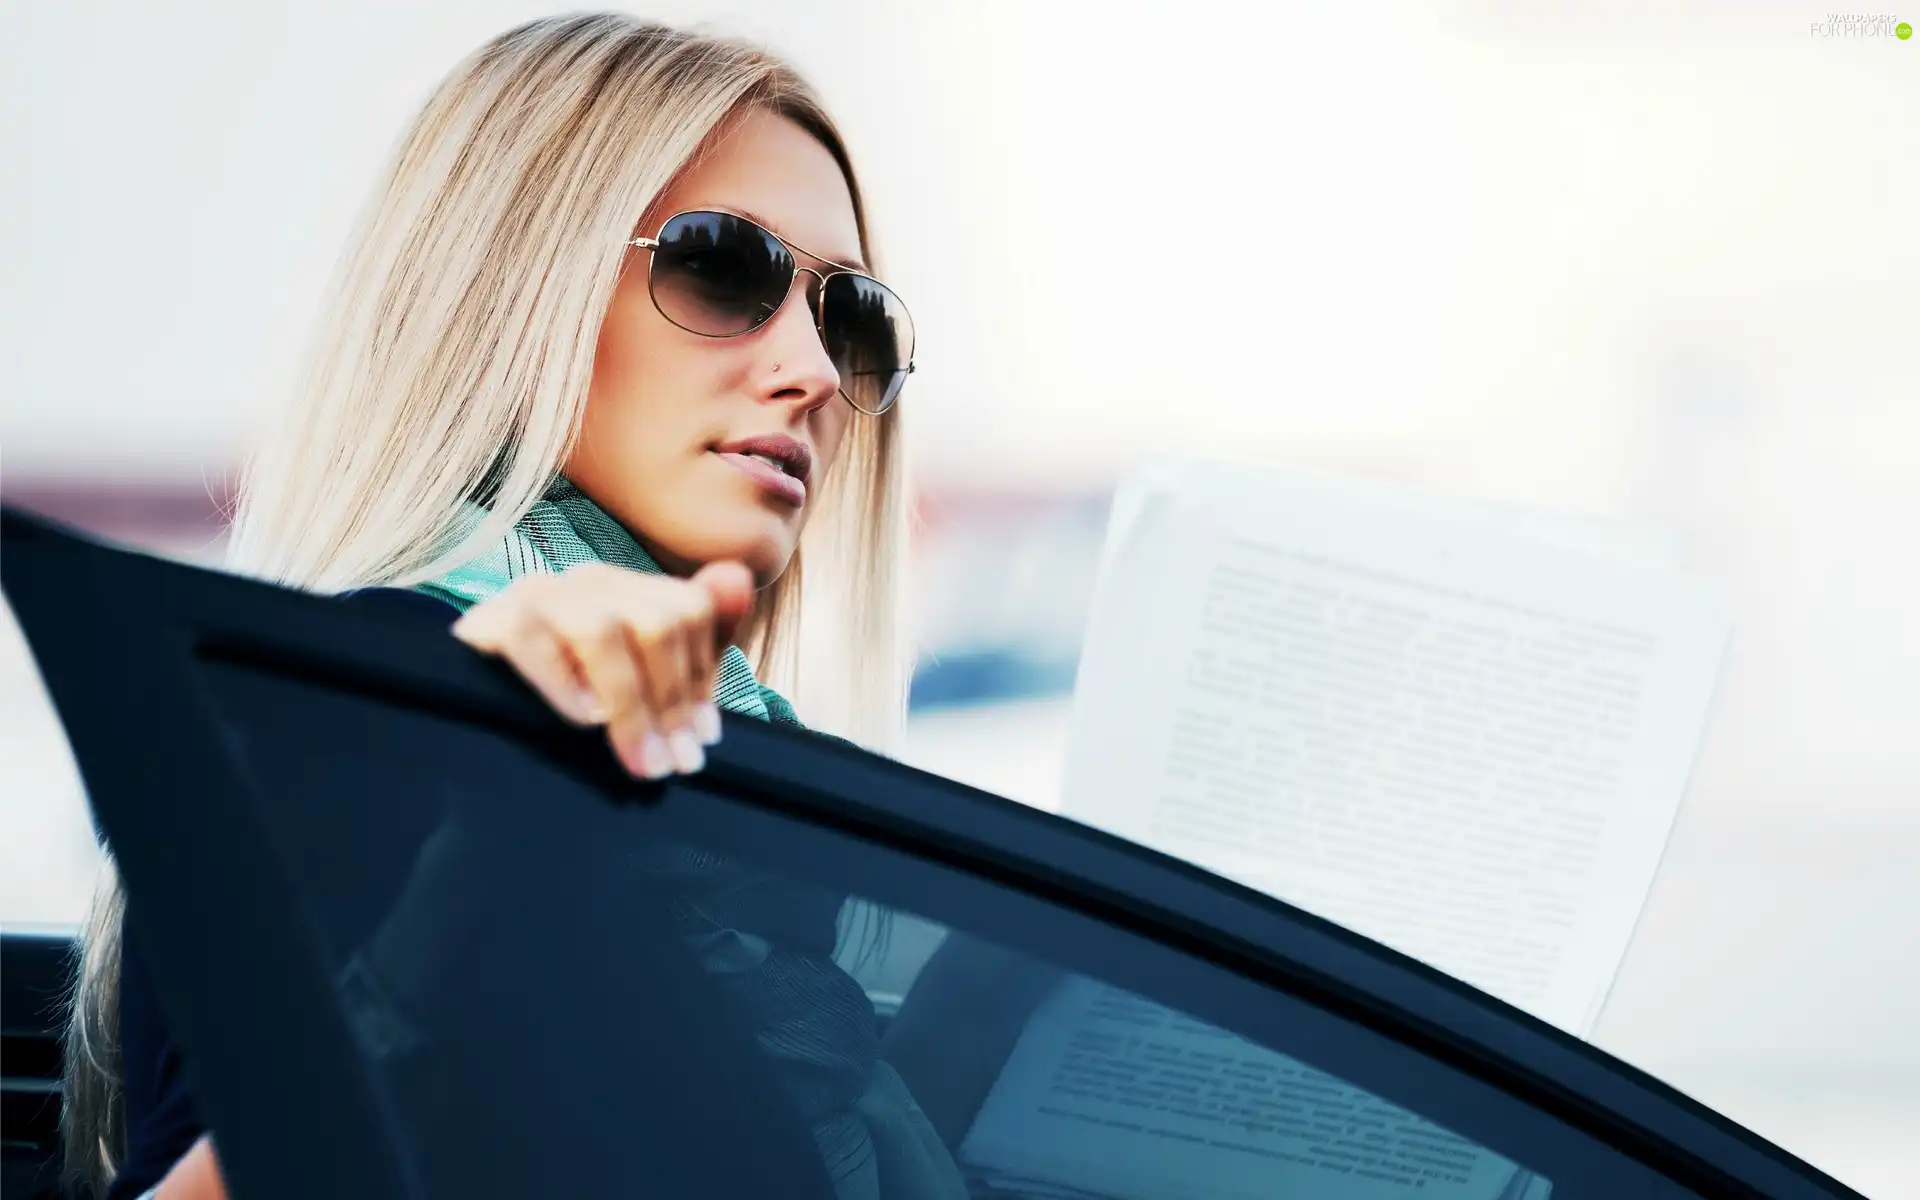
[1461, 729]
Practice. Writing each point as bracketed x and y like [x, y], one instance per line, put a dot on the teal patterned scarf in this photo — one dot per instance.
[565, 529]
[768, 941]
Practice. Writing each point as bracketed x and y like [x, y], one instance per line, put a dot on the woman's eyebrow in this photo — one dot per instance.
[851, 264]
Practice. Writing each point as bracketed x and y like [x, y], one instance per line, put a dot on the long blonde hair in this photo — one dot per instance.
[454, 357]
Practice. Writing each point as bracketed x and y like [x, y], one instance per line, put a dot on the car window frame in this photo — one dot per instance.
[94, 613]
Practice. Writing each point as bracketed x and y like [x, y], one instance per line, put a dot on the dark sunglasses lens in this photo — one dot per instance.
[718, 275]
[869, 336]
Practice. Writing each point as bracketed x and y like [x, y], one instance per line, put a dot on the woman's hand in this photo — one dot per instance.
[609, 646]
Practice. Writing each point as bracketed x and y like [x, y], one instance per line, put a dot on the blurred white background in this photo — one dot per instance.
[1642, 260]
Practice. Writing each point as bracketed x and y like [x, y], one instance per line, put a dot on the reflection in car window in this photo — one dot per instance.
[561, 993]
[1110, 1093]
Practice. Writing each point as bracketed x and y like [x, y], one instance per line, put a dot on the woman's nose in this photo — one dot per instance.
[792, 340]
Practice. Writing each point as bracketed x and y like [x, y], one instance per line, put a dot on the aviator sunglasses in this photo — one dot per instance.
[720, 275]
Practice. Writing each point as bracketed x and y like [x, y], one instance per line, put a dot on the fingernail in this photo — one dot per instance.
[649, 757]
[687, 754]
[587, 705]
[706, 721]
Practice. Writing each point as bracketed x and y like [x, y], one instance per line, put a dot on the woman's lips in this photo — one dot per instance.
[771, 479]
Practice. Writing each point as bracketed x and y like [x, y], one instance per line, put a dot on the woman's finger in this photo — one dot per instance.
[660, 644]
[598, 643]
[510, 625]
[488, 624]
[534, 650]
[729, 588]
[702, 666]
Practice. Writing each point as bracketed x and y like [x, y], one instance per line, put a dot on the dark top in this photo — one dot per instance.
[162, 1122]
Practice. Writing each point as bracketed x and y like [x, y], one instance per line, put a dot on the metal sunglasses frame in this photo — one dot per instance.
[819, 306]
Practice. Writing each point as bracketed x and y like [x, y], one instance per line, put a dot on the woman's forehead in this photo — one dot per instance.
[768, 169]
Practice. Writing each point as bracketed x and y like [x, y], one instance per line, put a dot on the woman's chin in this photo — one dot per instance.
[765, 551]
[767, 562]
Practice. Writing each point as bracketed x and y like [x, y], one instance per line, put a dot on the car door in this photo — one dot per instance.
[417, 937]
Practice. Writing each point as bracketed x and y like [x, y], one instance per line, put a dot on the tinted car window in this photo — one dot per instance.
[558, 979]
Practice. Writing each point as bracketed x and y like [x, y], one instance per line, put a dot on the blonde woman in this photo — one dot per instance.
[608, 341]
